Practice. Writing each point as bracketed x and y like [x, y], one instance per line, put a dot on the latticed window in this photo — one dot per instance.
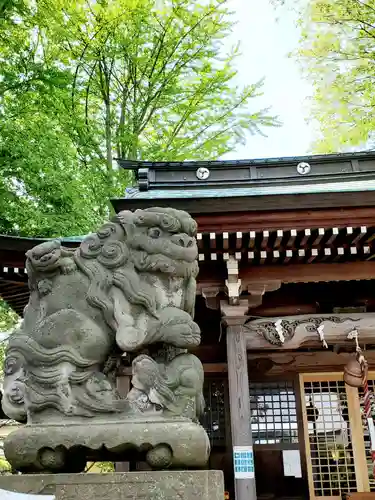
[214, 419]
[273, 413]
[329, 446]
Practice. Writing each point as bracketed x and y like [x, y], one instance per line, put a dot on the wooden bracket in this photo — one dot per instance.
[234, 315]
[210, 295]
[258, 289]
[233, 283]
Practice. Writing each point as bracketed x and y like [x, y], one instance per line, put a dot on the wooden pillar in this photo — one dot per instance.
[239, 398]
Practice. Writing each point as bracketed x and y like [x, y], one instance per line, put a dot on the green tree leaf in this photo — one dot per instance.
[336, 53]
[85, 82]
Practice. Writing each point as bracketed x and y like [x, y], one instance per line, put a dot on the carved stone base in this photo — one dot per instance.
[189, 485]
[174, 443]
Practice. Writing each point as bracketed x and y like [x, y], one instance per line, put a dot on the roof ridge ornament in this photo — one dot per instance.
[202, 173]
[303, 168]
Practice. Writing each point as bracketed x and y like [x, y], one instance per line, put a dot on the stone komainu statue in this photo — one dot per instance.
[128, 290]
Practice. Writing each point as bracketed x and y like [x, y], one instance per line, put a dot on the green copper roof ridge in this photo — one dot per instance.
[251, 191]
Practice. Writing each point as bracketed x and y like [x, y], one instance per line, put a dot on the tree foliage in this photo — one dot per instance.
[84, 82]
[8, 318]
[337, 54]
[8, 321]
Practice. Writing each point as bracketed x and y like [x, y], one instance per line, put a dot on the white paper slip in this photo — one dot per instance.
[243, 459]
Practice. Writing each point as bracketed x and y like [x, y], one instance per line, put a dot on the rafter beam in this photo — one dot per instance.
[308, 273]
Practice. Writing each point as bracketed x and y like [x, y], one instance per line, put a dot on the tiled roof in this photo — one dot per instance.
[135, 164]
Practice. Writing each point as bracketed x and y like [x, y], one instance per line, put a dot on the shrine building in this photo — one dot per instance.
[285, 290]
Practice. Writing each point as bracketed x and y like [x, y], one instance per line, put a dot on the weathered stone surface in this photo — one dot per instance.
[162, 443]
[174, 485]
[9, 495]
[128, 290]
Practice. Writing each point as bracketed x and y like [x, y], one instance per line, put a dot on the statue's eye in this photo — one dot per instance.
[154, 232]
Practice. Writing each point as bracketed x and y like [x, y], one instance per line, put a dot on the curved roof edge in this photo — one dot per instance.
[136, 164]
[23, 243]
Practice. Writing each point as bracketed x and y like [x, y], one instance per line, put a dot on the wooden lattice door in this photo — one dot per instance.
[334, 438]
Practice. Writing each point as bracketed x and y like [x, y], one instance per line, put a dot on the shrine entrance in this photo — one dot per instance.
[275, 412]
[308, 435]
[277, 436]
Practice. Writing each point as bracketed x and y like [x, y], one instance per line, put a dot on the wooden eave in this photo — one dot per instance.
[284, 220]
[267, 203]
[270, 247]
[259, 247]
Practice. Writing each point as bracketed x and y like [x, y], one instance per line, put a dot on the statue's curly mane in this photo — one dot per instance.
[119, 253]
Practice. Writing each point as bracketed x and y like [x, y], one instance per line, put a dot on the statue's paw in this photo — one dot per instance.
[129, 339]
[179, 333]
[68, 268]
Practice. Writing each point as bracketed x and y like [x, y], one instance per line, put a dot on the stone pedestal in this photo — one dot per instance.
[167, 485]
[176, 443]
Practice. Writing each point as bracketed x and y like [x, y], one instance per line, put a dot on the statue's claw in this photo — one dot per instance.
[175, 327]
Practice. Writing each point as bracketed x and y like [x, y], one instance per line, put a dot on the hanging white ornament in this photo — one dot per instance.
[280, 330]
[321, 336]
[353, 335]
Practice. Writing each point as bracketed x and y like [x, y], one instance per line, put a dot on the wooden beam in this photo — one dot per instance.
[302, 330]
[331, 239]
[287, 219]
[293, 273]
[238, 240]
[298, 203]
[288, 309]
[213, 241]
[209, 368]
[279, 238]
[313, 255]
[357, 439]
[305, 237]
[264, 242]
[239, 397]
[13, 296]
[282, 363]
[308, 273]
[292, 238]
[360, 236]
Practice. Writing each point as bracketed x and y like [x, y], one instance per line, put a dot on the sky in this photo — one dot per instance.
[265, 44]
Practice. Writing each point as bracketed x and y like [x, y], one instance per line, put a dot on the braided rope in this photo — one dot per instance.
[353, 335]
